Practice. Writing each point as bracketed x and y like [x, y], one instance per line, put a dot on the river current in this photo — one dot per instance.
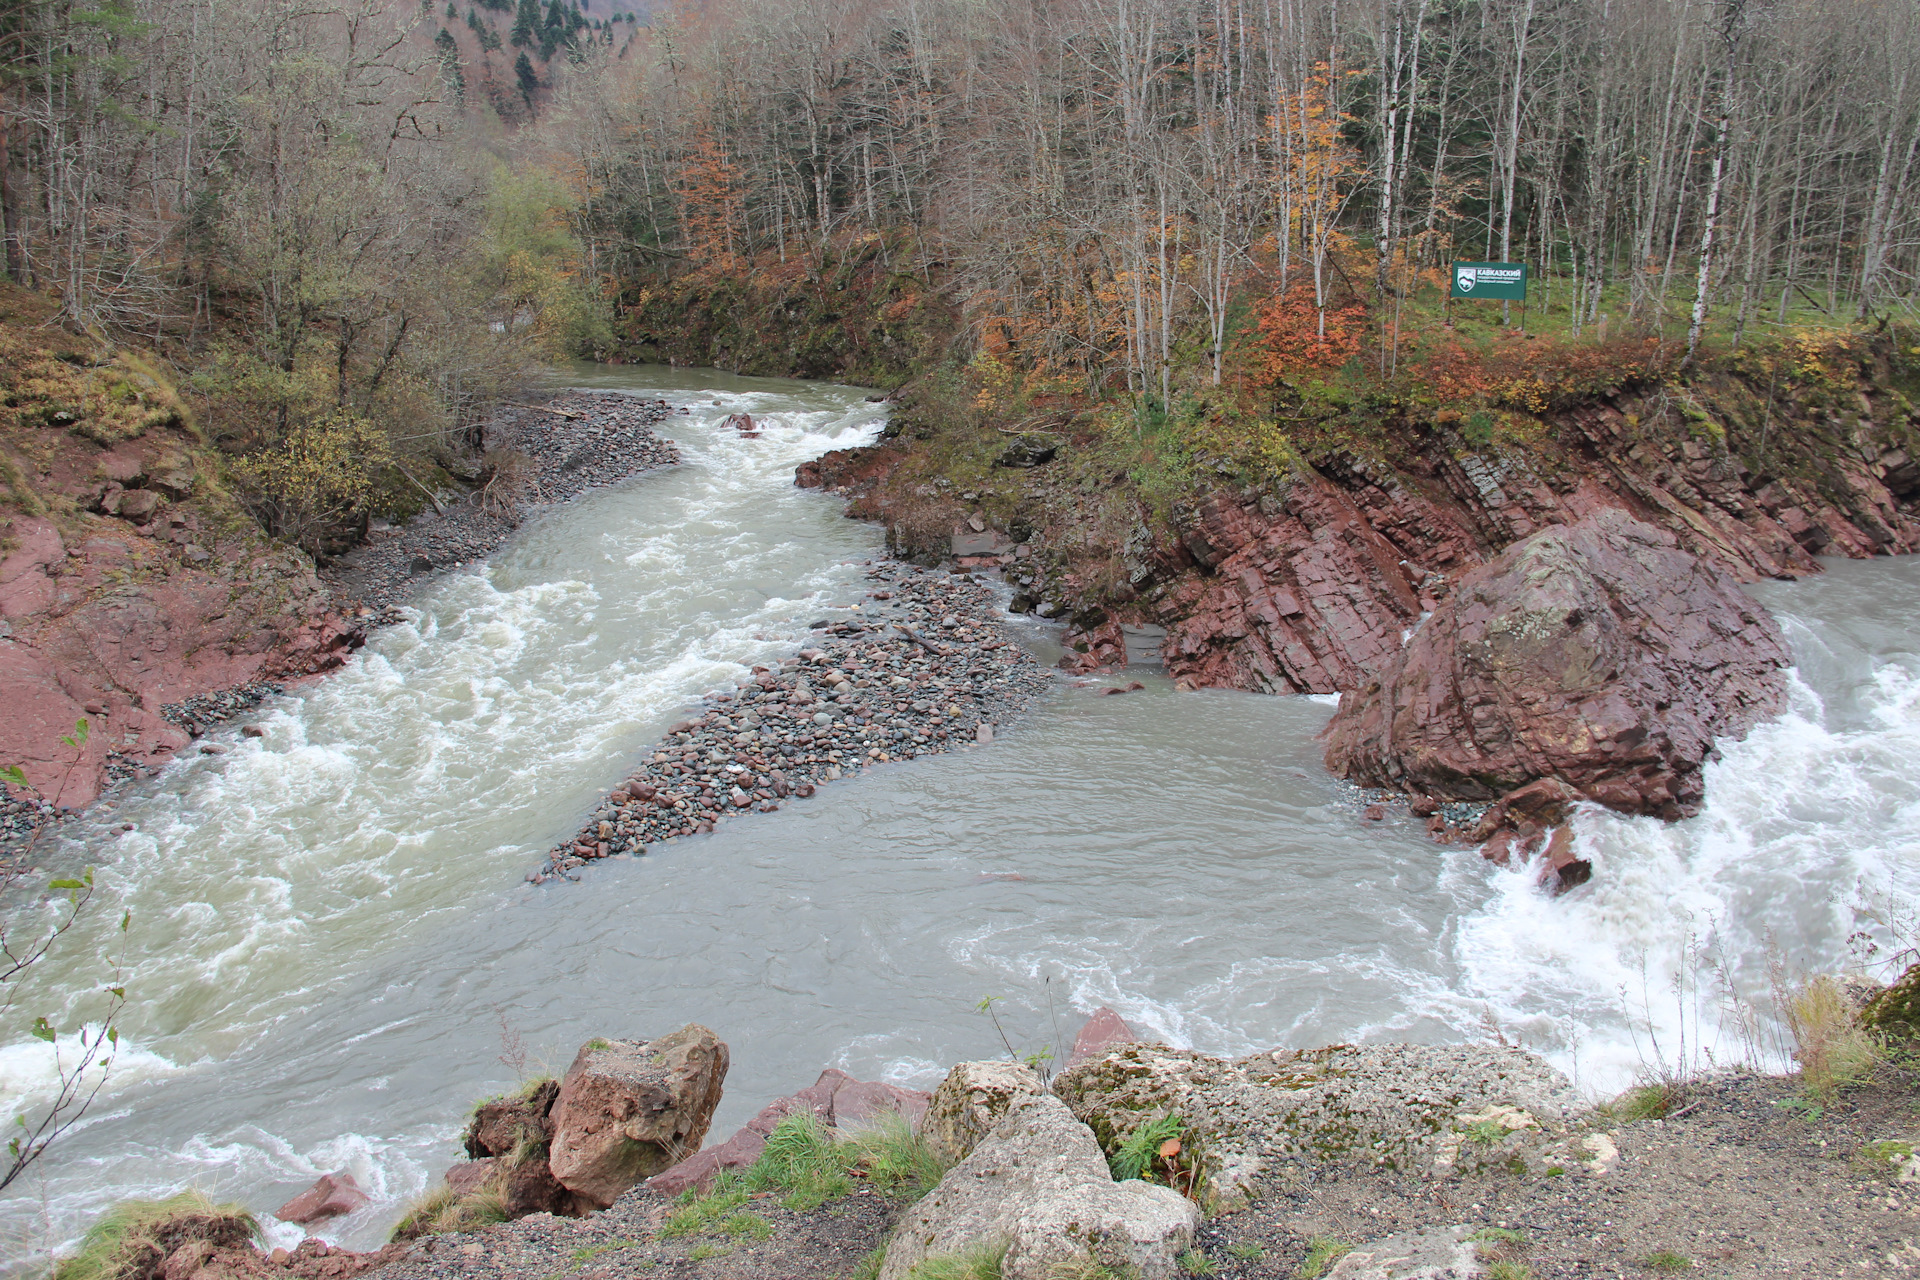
[332, 949]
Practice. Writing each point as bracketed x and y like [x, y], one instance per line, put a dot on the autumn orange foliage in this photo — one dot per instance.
[1292, 337]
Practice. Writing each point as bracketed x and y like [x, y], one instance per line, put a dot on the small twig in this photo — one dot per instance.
[565, 413]
[924, 643]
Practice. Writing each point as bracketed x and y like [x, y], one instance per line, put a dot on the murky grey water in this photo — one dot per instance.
[330, 932]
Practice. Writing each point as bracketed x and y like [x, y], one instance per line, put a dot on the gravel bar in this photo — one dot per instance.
[923, 664]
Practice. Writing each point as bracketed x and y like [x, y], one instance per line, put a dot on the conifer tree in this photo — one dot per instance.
[449, 50]
[523, 72]
[526, 25]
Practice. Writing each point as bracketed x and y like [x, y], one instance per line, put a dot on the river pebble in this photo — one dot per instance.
[570, 444]
[203, 711]
[922, 665]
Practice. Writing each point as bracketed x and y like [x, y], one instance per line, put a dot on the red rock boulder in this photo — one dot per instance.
[333, 1195]
[629, 1109]
[1598, 653]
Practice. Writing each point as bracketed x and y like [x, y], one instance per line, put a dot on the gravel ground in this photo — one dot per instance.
[1744, 1181]
[570, 444]
[624, 1241]
[922, 665]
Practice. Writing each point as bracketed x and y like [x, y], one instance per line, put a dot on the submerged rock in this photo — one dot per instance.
[629, 1109]
[1039, 1184]
[1600, 654]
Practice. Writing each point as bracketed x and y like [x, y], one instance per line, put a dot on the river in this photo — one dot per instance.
[332, 949]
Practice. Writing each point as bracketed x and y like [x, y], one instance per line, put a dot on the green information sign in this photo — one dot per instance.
[1500, 280]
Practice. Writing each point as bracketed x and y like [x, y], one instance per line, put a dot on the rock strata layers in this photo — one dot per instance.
[1598, 654]
[1306, 583]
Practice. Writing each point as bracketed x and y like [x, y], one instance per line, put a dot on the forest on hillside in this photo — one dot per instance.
[373, 218]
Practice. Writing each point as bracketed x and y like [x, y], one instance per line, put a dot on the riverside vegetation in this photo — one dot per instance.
[1165, 284]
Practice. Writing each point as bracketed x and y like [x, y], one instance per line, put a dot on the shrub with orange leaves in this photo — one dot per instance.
[1292, 337]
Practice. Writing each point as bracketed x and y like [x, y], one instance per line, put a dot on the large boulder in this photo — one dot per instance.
[1038, 1184]
[629, 1109]
[1598, 653]
[836, 1099]
[974, 1098]
[1434, 1109]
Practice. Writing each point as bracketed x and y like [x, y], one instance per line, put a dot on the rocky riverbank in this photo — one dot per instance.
[536, 455]
[1143, 1161]
[921, 665]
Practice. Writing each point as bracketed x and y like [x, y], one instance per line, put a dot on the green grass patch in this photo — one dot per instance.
[136, 1236]
[1195, 1263]
[976, 1262]
[1883, 1159]
[592, 1251]
[443, 1210]
[1322, 1253]
[1645, 1102]
[707, 1249]
[1508, 1269]
[1247, 1250]
[721, 1211]
[1667, 1262]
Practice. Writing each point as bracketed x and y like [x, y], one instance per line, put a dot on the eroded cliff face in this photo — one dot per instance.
[1311, 583]
[129, 580]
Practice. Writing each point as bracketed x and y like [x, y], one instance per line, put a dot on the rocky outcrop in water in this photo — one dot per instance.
[1599, 654]
[922, 665]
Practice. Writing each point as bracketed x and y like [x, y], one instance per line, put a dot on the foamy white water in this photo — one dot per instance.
[1800, 861]
[331, 931]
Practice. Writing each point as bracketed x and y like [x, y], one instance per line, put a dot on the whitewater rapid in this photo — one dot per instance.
[333, 951]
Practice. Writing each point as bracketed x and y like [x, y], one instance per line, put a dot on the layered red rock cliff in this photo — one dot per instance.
[1310, 583]
[128, 579]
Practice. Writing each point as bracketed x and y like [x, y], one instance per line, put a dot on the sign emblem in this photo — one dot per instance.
[1463, 278]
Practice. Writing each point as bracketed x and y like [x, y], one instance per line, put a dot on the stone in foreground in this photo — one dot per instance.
[1404, 1107]
[1039, 1184]
[1443, 1254]
[1599, 653]
[629, 1109]
[974, 1098]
